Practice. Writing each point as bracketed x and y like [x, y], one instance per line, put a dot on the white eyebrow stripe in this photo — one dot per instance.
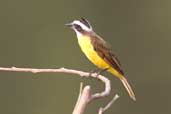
[84, 27]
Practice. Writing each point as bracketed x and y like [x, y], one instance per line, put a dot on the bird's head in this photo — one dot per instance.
[80, 26]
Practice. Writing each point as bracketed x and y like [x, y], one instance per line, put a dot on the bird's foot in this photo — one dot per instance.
[94, 71]
[97, 71]
[101, 71]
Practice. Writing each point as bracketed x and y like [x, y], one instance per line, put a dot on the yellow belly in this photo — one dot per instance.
[91, 54]
[87, 48]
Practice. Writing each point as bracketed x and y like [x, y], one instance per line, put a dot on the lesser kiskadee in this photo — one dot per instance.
[98, 51]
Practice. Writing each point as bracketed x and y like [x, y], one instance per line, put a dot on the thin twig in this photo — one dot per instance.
[79, 97]
[101, 110]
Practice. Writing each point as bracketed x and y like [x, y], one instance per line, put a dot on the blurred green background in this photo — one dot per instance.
[32, 34]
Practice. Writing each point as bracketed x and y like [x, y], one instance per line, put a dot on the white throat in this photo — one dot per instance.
[78, 34]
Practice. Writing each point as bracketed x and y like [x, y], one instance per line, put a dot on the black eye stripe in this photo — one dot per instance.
[78, 27]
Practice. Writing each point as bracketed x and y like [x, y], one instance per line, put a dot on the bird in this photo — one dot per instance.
[98, 51]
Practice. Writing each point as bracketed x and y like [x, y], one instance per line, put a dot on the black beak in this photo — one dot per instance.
[69, 25]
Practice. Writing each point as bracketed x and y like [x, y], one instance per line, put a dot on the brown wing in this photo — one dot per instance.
[104, 51]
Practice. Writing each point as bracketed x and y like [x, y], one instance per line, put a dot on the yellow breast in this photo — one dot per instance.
[87, 48]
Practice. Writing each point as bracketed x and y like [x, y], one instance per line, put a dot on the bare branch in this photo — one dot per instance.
[83, 100]
[67, 71]
[85, 95]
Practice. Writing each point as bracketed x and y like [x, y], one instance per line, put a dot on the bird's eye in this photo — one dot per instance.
[78, 27]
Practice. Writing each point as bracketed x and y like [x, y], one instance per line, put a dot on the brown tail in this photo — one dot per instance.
[128, 87]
